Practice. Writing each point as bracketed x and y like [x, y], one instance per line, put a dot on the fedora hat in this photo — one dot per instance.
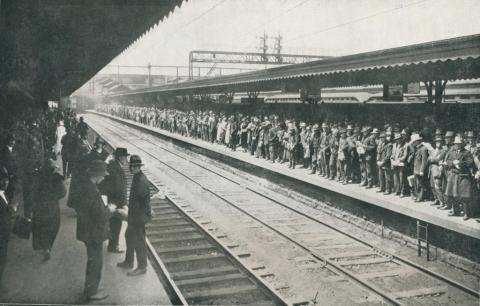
[470, 134]
[438, 132]
[415, 137]
[120, 152]
[349, 127]
[97, 168]
[135, 160]
[375, 131]
[449, 134]
[382, 135]
[397, 136]
[458, 140]
[324, 125]
[99, 140]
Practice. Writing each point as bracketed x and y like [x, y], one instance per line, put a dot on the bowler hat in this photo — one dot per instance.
[120, 152]
[3, 173]
[135, 160]
[99, 141]
[97, 168]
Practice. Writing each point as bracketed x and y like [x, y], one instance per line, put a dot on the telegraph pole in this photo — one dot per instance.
[263, 46]
[278, 47]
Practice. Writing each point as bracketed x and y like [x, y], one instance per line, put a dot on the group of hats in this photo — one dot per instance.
[99, 168]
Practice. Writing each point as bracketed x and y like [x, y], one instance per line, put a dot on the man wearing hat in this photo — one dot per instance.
[420, 167]
[446, 203]
[6, 219]
[115, 187]
[92, 226]
[470, 145]
[314, 144]
[139, 214]
[459, 189]
[434, 172]
[324, 158]
[369, 144]
[383, 162]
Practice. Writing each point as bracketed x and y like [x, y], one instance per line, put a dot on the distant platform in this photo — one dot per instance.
[28, 280]
[404, 206]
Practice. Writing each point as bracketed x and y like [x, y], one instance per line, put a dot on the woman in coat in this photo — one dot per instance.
[46, 211]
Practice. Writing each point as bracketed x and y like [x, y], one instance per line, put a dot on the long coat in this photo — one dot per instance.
[459, 179]
[139, 209]
[115, 184]
[46, 211]
[420, 161]
[92, 214]
[6, 220]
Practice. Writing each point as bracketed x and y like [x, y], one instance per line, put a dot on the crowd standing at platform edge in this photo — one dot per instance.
[426, 165]
[31, 187]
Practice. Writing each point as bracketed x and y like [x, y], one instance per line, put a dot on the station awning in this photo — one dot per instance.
[450, 59]
[49, 48]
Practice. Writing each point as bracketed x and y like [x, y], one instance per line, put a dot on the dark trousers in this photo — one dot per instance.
[135, 237]
[115, 228]
[369, 171]
[420, 187]
[381, 179]
[3, 256]
[94, 268]
[272, 148]
[400, 180]
[29, 187]
[387, 174]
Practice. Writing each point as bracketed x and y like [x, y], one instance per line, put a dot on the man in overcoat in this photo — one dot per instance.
[92, 226]
[139, 213]
[115, 186]
[420, 168]
[460, 186]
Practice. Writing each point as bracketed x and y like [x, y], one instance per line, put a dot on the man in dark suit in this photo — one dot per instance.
[92, 226]
[6, 214]
[139, 213]
[420, 168]
[115, 185]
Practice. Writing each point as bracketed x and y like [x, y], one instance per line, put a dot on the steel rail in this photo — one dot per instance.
[177, 297]
[406, 261]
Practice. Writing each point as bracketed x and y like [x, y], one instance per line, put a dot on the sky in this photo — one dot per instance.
[321, 27]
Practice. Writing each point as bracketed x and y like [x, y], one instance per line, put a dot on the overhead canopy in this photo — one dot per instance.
[451, 59]
[49, 48]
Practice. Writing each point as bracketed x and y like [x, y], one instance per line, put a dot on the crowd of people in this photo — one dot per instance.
[32, 184]
[424, 164]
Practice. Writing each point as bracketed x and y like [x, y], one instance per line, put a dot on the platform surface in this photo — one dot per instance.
[28, 280]
[405, 206]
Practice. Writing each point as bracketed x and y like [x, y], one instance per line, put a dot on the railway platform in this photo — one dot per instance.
[366, 198]
[28, 280]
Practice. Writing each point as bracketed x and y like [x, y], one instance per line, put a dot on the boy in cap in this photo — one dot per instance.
[139, 214]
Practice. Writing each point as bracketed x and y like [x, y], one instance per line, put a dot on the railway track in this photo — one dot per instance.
[194, 267]
[396, 280]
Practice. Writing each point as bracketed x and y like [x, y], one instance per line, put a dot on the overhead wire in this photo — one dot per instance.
[355, 21]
